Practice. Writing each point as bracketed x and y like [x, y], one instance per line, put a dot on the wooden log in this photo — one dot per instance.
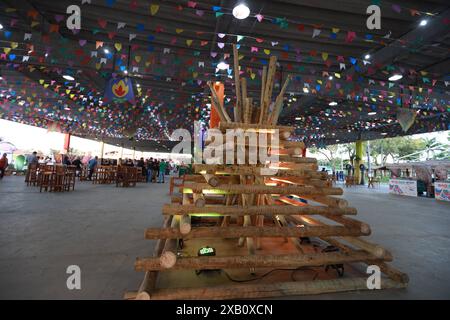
[292, 144]
[168, 256]
[256, 261]
[295, 166]
[328, 200]
[364, 227]
[263, 87]
[269, 290]
[372, 248]
[244, 101]
[393, 273]
[256, 170]
[261, 189]
[248, 111]
[286, 151]
[282, 144]
[289, 158]
[223, 115]
[269, 86]
[149, 283]
[295, 240]
[185, 199]
[279, 102]
[252, 126]
[212, 180]
[255, 114]
[237, 107]
[185, 224]
[171, 209]
[251, 231]
[302, 181]
[199, 199]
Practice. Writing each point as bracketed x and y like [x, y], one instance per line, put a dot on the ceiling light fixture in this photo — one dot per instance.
[222, 65]
[395, 77]
[333, 103]
[1, 26]
[241, 11]
[68, 77]
[330, 78]
[298, 118]
[423, 22]
[126, 72]
[106, 50]
[383, 133]
[372, 113]
[367, 56]
[305, 90]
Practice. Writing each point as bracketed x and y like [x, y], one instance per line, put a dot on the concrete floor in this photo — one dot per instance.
[100, 228]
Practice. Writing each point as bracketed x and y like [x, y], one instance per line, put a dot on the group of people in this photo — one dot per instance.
[339, 175]
[155, 170]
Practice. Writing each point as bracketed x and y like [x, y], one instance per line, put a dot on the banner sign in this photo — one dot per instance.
[119, 89]
[403, 187]
[442, 191]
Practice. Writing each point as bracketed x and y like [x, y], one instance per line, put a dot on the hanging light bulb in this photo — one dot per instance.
[241, 11]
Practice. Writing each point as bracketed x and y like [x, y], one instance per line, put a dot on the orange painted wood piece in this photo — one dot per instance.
[214, 117]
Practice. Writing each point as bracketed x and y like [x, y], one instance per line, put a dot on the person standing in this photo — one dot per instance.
[66, 160]
[162, 171]
[77, 164]
[3, 165]
[149, 170]
[92, 164]
[155, 169]
[32, 158]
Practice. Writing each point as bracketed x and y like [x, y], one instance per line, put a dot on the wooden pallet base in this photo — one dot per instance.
[186, 284]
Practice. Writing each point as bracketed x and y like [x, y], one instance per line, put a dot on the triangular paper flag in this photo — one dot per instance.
[154, 9]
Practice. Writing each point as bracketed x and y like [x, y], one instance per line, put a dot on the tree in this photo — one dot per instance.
[331, 153]
[349, 148]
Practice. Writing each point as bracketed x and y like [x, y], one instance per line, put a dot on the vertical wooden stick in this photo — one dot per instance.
[263, 88]
[237, 108]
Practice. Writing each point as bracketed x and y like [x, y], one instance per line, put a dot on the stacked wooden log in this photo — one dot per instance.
[255, 211]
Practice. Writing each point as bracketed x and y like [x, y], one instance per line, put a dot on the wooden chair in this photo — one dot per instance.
[59, 179]
[46, 176]
[84, 173]
[349, 181]
[121, 176]
[133, 177]
[32, 174]
[70, 177]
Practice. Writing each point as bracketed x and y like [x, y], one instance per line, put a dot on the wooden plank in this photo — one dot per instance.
[237, 107]
[251, 231]
[269, 290]
[261, 189]
[171, 209]
[252, 126]
[256, 261]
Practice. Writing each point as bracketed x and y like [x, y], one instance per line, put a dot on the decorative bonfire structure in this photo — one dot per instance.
[236, 233]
